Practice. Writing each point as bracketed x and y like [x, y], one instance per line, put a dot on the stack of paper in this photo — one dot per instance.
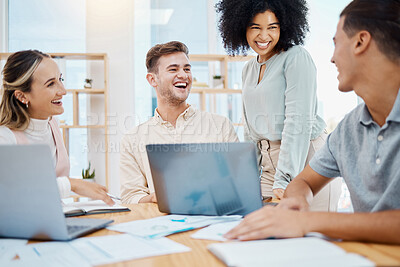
[215, 231]
[96, 250]
[286, 252]
[114, 248]
[170, 224]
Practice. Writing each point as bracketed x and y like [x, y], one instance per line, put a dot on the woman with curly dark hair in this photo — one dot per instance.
[279, 90]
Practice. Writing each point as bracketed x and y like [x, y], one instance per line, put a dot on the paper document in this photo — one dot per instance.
[99, 250]
[215, 231]
[48, 261]
[169, 224]
[286, 252]
[56, 250]
[114, 248]
[8, 248]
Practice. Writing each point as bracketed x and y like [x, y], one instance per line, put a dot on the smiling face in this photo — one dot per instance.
[263, 34]
[47, 91]
[343, 58]
[173, 79]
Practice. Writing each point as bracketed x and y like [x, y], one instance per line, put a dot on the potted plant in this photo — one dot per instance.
[87, 175]
[217, 81]
[88, 83]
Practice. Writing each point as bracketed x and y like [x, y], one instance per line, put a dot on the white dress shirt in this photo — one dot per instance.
[192, 126]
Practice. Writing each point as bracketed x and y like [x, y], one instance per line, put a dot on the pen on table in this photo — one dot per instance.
[179, 220]
[114, 197]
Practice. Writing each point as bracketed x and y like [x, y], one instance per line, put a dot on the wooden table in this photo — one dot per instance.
[382, 255]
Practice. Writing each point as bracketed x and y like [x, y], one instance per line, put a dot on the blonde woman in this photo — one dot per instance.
[31, 95]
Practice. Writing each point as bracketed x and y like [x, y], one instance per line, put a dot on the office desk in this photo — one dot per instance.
[382, 255]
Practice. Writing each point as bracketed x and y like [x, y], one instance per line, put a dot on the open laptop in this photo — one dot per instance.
[206, 179]
[30, 204]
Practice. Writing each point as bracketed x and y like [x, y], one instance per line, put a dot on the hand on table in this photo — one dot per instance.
[91, 190]
[294, 203]
[270, 222]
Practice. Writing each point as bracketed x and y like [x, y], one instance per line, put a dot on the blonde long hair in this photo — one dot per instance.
[18, 75]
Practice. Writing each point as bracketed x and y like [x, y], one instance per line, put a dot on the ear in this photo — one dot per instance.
[21, 96]
[152, 79]
[363, 40]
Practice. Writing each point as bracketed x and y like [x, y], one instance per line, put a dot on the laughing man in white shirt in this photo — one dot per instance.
[174, 121]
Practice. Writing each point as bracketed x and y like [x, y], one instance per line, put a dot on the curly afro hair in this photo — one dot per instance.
[236, 15]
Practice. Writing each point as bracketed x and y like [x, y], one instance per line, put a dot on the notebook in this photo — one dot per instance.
[90, 207]
[205, 179]
[30, 204]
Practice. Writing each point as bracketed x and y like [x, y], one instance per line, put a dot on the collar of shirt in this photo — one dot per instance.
[259, 64]
[394, 115]
[38, 127]
[185, 115]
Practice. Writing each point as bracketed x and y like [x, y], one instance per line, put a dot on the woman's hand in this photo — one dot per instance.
[91, 190]
[278, 193]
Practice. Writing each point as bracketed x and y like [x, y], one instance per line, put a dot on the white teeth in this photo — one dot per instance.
[180, 84]
[263, 44]
[56, 101]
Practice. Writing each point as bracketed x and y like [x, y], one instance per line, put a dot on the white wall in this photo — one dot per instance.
[110, 30]
[3, 25]
[323, 18]
[142, 38]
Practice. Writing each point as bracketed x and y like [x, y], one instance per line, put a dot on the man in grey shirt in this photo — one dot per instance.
[365, 147]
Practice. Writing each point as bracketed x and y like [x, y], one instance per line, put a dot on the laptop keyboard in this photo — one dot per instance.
[228, 207]
[76, 228]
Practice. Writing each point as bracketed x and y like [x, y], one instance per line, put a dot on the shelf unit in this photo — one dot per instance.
[88, 57]
[223, 61]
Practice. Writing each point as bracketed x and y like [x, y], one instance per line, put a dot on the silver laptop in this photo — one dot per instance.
[30, 204]
[206, 179]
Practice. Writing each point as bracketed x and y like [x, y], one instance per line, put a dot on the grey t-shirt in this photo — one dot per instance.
[367, 156]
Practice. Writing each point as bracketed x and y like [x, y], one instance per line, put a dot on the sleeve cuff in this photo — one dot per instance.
[280, 184]
[323, 170]
[64, 186]
[133, 199]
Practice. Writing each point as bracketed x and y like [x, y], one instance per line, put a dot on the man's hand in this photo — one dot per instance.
[270, 222]
[91, 190]
[278, 193]
[294, 203]
[149, 198]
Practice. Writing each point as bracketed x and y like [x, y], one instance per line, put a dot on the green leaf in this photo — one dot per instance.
[86, 173]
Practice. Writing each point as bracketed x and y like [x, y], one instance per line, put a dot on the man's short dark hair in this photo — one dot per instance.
[381, 18]
[159, 50]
